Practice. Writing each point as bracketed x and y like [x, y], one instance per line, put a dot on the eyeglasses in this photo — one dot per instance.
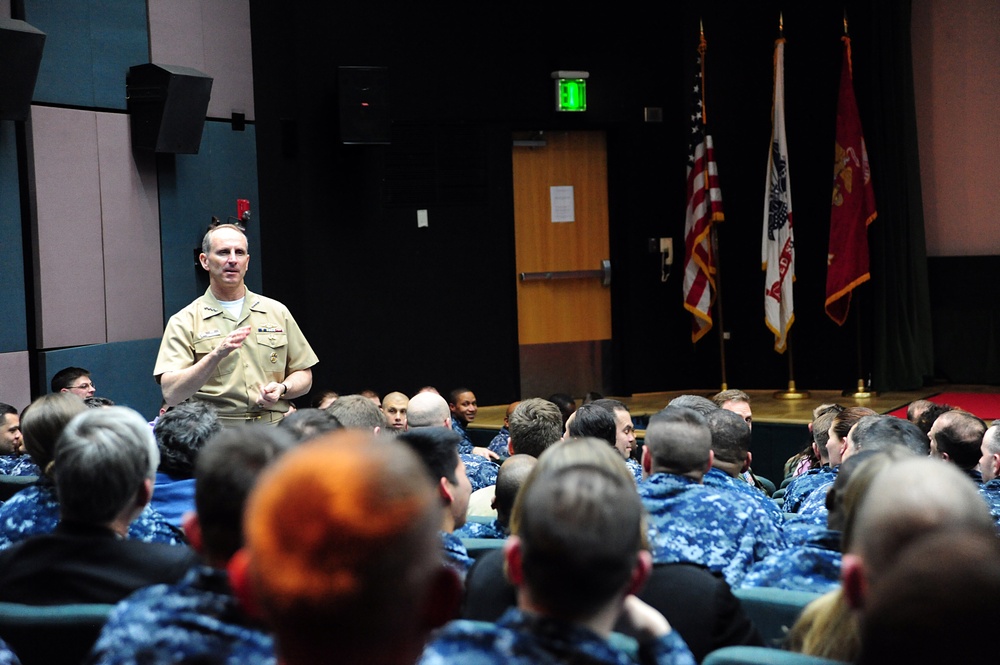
[83, 386]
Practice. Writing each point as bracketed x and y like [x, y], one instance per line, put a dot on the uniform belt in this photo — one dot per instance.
[254, 416]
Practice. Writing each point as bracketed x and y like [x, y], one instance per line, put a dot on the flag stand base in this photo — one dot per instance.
[861, 392]
[791, 393]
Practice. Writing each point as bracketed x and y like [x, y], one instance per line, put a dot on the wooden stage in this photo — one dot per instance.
[780, 426]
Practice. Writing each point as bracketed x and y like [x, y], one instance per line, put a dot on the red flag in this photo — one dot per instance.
[853, 205]
[704, 207]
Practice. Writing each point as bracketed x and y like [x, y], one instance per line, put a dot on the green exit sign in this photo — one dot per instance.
[571, 90]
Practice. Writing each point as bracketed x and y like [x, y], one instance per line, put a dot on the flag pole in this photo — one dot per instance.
[702, 47]
[718, 307]
[863, 391]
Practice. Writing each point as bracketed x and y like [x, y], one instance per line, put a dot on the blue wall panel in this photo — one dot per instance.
[89, 46]
[122, 371]
[13, 335]
[193, 188]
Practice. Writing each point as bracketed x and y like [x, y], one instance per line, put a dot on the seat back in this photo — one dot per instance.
[53, 634]
[11, 485]
[762, 656]
[773, 611]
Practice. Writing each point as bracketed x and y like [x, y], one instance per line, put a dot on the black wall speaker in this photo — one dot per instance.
[364, 104]
[167, 105]
[20, 54]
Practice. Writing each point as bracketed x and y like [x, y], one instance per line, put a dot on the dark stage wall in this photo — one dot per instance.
[389, 306]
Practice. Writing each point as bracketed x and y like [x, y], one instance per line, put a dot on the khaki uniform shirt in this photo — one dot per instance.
[274, 349]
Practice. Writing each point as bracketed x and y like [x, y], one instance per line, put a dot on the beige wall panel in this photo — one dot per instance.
[212, 36]
[69, 258]
[15, 389]
[956, 76]
[131, 231]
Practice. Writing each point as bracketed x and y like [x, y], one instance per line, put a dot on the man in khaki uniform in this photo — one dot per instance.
[240, 352]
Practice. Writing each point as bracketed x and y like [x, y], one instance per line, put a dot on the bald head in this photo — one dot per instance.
[906, 500]
[427, 409]
[510, 477]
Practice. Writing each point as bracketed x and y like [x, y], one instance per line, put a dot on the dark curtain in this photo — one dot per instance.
[898, 294]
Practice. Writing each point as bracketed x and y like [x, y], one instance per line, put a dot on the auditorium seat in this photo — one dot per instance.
[53, 634]
[761, 656]
[773, 611]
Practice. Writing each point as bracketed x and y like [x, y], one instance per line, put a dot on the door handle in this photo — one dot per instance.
[603, 274]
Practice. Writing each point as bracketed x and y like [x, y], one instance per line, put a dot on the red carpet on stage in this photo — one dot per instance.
[984, 405]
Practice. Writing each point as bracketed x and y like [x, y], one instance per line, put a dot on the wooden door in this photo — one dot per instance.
[564, 325]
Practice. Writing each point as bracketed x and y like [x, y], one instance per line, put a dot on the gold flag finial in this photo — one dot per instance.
[781, 24]
[845, 21]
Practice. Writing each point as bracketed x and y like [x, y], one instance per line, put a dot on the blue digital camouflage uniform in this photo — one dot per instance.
[195, 620]
[7, 656]
[481, 471]
[465, 446]
[35, 510]
[635, 468]
[990, 491]
[689, 522]
[975, 474]
[812, 566]
[455, 554]
[718, 479]
[18, 465]
[518, 638]
[481, 530]
[500, 441]
[803, 485]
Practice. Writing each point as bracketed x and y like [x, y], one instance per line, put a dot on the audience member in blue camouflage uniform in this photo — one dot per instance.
[500, 441]
[812, 560]
[513, 472]
[35, 509]
[436, 448]
[989, 466]
[801, 485]
[11, 441]
[688, 521]
[199, 619]
[358, 578]
[576, 559]
[463, 407]
[180, 435]
[624, 441]
[731, 457]
[957, 436]
[429, 409]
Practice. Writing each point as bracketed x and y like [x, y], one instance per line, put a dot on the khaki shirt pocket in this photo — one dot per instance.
[203, 347]
[273, 349]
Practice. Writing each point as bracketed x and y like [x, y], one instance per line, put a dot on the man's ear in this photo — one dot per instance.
[376, 431]
[145, 493]
[647, 461]
[192, 531]
[995, 461]
[513, 560]
[640, 572]
[445, 491]
[711, 460]
[241, 584]
[746, 464]
[853, 580]
[203, 260]
[510, 446]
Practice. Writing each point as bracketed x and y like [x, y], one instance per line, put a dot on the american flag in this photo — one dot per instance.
[778, 243]
[704, 207]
